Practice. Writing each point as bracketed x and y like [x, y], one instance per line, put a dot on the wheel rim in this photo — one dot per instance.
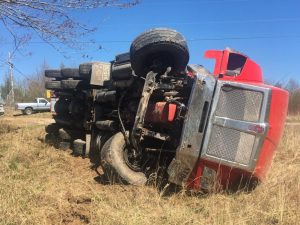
[130, 160]
[28, 111]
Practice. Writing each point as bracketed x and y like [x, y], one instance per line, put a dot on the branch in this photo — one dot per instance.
[50, 19]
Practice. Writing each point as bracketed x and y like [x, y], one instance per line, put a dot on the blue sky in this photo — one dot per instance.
[267, 31]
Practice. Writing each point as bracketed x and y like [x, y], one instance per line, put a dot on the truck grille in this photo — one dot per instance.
[230, 137]
[231, 145]
[239, 104]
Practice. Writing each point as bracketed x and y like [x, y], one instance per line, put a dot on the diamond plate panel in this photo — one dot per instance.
[231, 145]
[239, 104]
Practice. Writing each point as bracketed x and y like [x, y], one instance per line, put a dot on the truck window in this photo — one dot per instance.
[43, 101]
[235, 64]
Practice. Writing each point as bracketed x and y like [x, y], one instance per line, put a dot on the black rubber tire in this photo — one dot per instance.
[64, 94]
[85, 70]
[121, 71]
[100, 140]
[74, 84]
[50, 139]
[70, 73]
[64, 145]
[28, 111]
[70, 134]
[52, 128]
[77, 109]
[97, 142]
[79, 147]
[162, 45]
[122, 58]
[53, 85]
[53, 74]
[62, 107]
[113, 163]
[64, 120]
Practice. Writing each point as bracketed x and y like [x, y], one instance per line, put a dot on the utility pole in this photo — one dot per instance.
[11, 75]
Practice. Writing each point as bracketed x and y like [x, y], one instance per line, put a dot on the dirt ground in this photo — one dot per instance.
[42, 185]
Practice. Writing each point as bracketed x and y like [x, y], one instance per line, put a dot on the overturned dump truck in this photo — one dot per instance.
[148, 116]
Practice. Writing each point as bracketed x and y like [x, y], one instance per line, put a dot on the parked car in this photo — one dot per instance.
[1, 109]
[39, 105]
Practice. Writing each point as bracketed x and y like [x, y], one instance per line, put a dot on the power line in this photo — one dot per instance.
[193, 1]
[189, 40]
[244, 38]
[273, 20]
[21, 73]
[16, 68]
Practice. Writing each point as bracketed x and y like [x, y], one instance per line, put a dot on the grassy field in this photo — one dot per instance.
[293, 118]
[41, 185]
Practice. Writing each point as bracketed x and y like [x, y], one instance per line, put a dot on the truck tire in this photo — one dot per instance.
[99, 141]
[63, 120]
[50, 139]
[52, 128]
[77, 109]
[158, 49]
[79, 147]
[64, 145]
[85, 70]
[28, 111]
[53, 85]
[70, 73]
[53, 74]
[68, 121]
[122, 58]
[62, 106]
[74, 85]
[113, 163]
[121, 71]
[70, 134]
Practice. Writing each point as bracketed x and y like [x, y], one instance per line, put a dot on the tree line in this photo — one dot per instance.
[293, 87]
[26, 88]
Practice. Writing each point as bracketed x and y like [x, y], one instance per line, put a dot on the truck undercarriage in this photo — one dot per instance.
[150, 117]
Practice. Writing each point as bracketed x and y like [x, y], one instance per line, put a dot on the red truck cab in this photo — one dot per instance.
[242, 123]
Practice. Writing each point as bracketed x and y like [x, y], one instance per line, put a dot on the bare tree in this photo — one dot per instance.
[50, 19]
[293, 87]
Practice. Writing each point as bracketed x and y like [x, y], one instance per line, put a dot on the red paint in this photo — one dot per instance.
[218, 56]
[161, 112]
[172, 112]
[278, 112]
[251, 74]
[251, 71]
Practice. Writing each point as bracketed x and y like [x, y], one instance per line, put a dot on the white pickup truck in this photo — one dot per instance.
[39, 105]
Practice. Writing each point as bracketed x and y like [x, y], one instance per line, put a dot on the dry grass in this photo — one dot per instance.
[293, 118]
[40, 185]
